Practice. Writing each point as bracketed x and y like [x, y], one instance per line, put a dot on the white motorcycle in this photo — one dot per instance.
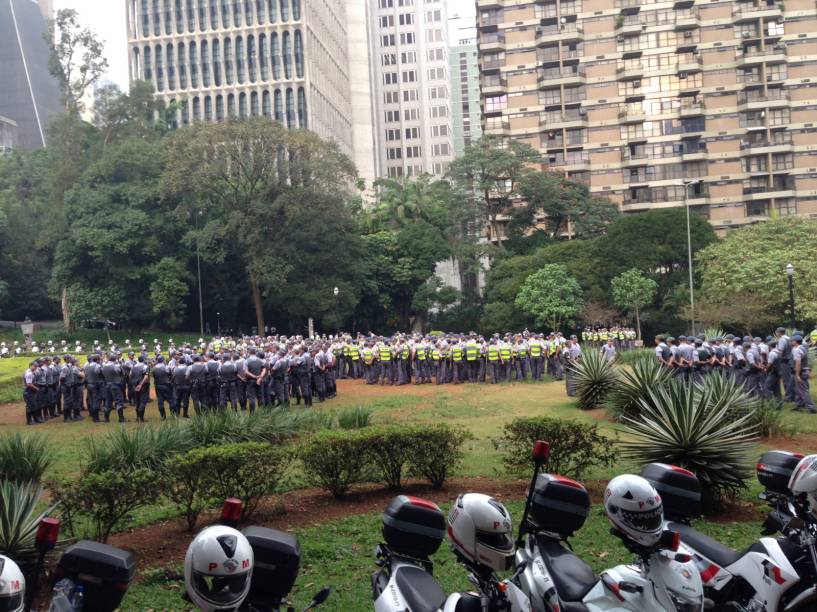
[557, 580]
[413, 529]
[761, 578]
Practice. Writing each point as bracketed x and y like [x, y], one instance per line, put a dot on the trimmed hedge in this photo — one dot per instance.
[574, 447]
[338, 459]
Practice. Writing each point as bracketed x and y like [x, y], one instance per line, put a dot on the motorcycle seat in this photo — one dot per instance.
[708, 547]
[420, 590]
[572, 577]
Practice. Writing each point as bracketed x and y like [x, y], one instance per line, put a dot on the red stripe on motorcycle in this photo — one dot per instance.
[710, 572]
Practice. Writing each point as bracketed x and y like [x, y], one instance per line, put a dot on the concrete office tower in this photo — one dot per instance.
[29, 95]
[409, 49]
[636, 97]
[283, 59]
[465, 103]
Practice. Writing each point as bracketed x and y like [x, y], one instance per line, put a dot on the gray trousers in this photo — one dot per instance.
[787, 374]
[802, 395]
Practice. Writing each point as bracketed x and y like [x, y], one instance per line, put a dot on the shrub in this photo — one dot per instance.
[228, 427]
[389, 451]
[634, 384]
[20, 515]
[357, 417]
[684, 425]
[186, 485]
[24, 458]
[574, 447]
[724, 390]
[248, 470]
[769, 421]
[107, 499]
[437, 451]
[634, 356]
[125, 449]
[335, 460]
[594, 378]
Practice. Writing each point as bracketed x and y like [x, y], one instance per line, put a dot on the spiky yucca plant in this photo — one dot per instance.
[24, 458]
[634, 384]
[684, 425]
[594, 378]
[710, 333]
[725, 390]
[19, 519]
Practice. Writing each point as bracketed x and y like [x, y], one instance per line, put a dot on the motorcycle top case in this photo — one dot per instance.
[413, 526]
[559, 505]
[277, 561]
[679, 489]
[105, 572]
[774, 470]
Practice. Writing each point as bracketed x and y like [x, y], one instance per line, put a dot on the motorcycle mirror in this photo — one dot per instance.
[321, 597]
[541, 451]
[670, 540]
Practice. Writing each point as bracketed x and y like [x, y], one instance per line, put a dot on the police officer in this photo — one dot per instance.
[280, 369]
[227, 375]
[608, 351]
[93, 385]
[572, 354]
[303, 372]
[212, 397]
[67, 382]
[181, 387]
[784, 345]
[772, 386]
[801, 374]
[255, 372]
[30, 393]
[113, 377]
[164, 387]
[197, 377]
[139, 378]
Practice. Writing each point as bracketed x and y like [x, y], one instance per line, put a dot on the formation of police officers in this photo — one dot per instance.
[760, 365]
[596, 337]
[273, 371]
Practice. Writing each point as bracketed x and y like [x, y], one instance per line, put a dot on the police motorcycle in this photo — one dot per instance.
[557, 580]
[480, 532]
[765, 577]
[252, 570]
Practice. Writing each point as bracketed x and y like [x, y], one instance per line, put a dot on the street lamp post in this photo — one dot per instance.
[198, 273]
[790, 275]
[218, 323]
[687, 183]
[335, 292]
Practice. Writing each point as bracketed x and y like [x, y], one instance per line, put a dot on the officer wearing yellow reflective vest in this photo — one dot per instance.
[384, 356]
[536, 348]
[505, 361]
[472, 358]
[494, 365]
[369, 372]
[458, 362]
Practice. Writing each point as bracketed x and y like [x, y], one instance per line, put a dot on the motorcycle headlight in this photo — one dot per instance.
[685, 604]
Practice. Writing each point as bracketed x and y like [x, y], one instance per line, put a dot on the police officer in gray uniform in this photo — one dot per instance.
[280, 369]
[212, 400]
[139, 379]
[164, 387]
[228, 382]
[68, 383]
[93, 384]
[30, 393]
[197, 377]
[182, 388]
[256, 369]
[113, 377]
[784, 346]
[801, 374]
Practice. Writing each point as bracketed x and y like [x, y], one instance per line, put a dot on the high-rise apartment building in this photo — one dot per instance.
[654, 102]
[29, 95]
[465, 103]
[288, 60]
[409, 50]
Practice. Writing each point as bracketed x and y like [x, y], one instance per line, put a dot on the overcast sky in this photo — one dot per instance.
[107, 18]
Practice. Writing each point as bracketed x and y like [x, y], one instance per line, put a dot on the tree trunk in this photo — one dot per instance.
[67, 323]
[259, 305]
[638, 324]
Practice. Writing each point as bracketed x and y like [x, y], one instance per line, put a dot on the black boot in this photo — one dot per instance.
[121, 413]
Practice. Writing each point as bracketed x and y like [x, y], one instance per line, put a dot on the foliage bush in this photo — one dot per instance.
[634, 384]
[21, 511]
[139, 447]
[634, 356]
[24, 458]
[107, 499]
[436, 451]
[186, 485]
[356, 417]
[248, 471]
[335, 460]
[769, 421]
[594, 378]
[574, 447]
[687, 425]
[724, 390]
[389, 451]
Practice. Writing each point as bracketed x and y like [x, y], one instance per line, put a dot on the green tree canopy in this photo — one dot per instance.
[550, 295]
[632, 291]
[750, 264]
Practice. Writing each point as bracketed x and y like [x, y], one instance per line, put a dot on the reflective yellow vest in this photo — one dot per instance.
[435, 354]
[471, 351]
[406, 352]
[456, 353]
[385, 353]
[493, 352]
[368, 356]
[354, 352]
[535, 349]
[420, 353]
[505, 351]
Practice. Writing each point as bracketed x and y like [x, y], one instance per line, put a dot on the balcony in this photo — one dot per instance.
[690, 64]
[491, 42]
[497, 127]
[571, 118]
[629, 5]
[777, 189]
[630, 72]
[488, 22]
[688, 41]
[688, 21]
[630, 27]
[563, 77]
[632, 115]
[753, 99]
[767, 145]
[489, 65]
[559, 32]
[693, 108]
[751, 56]
[494, 85]
[694, 151]
[754, 10]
